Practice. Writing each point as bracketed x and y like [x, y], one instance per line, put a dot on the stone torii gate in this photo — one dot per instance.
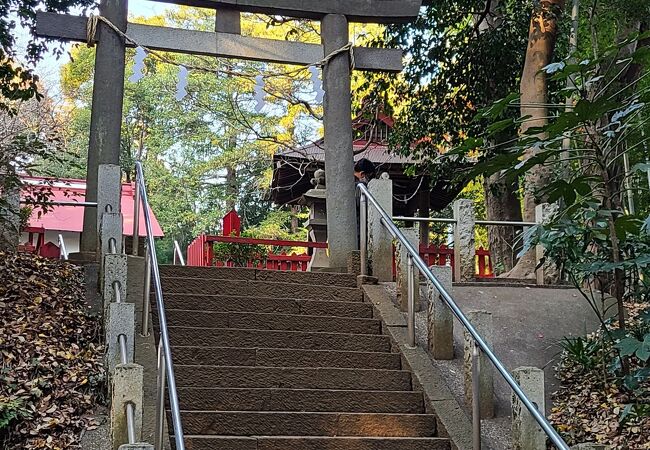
[227, 41]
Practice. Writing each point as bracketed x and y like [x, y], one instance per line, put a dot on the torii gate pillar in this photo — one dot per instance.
[106, 116]
[339, 156]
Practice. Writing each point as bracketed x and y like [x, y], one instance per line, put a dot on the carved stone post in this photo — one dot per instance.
[464, 251]
[315, 200]
[380, 246]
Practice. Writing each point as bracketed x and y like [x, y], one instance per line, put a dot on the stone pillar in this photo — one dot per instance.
[109, 217]
[464, 250]
[111, 228]
[228, 21]
[380, 242]
[401, 258]
[482, 322]
[120, 319]
[315, 200]
[339, 163]
[127, 387]
[440, 319]
[115, 269]
[106, 115]
[526, 433]
[548, 273]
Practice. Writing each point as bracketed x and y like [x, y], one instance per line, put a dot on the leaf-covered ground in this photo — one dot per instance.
[52, 375]
[594, 406]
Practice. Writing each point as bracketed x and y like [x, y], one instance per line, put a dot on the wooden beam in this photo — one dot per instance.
[225, 45]
[368, 11]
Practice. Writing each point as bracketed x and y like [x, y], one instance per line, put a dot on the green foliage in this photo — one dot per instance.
[239, 254]
[585, 352]
[18, 83]
[12, 410]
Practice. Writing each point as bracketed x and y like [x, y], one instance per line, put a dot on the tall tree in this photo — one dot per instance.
[463, 55]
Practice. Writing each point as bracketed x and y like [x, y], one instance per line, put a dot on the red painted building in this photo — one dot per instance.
[43, 229]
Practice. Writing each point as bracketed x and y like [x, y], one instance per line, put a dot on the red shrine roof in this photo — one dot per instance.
[70, 218]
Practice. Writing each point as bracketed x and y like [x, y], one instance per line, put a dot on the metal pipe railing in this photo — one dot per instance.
[136, 220]
[64, 252]
[502, 223]
[178, 254]
[64, 203]
[479, 342]
[124, 355]
[166, 353]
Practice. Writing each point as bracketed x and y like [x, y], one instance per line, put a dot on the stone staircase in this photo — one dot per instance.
[286, 360]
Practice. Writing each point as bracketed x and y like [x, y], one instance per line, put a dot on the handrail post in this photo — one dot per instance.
[363, 233]
[159, 434]
[136, 218]
[178, 255]
[476, 397]
[146, 300]
[411, 302]
[478, 340]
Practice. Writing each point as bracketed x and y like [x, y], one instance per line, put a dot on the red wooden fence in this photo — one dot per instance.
[201, 252]
[442, 255]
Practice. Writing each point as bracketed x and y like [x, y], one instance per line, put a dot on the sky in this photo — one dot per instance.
[49, 67]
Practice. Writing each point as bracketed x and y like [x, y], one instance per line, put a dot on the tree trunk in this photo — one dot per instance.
[502, 203]
[231, 188]
[295, 209]
[534, 95]
[9, 217]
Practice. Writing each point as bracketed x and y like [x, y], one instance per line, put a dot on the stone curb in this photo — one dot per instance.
[452, 420]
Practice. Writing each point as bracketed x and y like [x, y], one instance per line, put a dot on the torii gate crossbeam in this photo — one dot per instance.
[108, 89]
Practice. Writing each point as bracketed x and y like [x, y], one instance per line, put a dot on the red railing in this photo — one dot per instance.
[442, 255]
[201, 251]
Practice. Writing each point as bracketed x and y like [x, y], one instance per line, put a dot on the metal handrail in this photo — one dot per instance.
[502, 223]
[124, 358]
[165, 352]
[178, 253]
[479, 342]
[63, 203]
[64, 251]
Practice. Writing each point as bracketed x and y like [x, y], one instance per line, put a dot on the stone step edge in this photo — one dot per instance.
[322, 286]
[268, 315]
[347, 277]
[350, 391]
[259, 297]
[254, 330]
[359, 438]
[317, 413]
[302, 350]
[340, 369]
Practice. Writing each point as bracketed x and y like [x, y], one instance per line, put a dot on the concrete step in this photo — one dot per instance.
[314, 443]
[308, 424]
[236, 273]
[262, 304]
[274, 357]
[286, 322]
[292, 377]
[313, 400]
[249, 288]
[230, 337]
